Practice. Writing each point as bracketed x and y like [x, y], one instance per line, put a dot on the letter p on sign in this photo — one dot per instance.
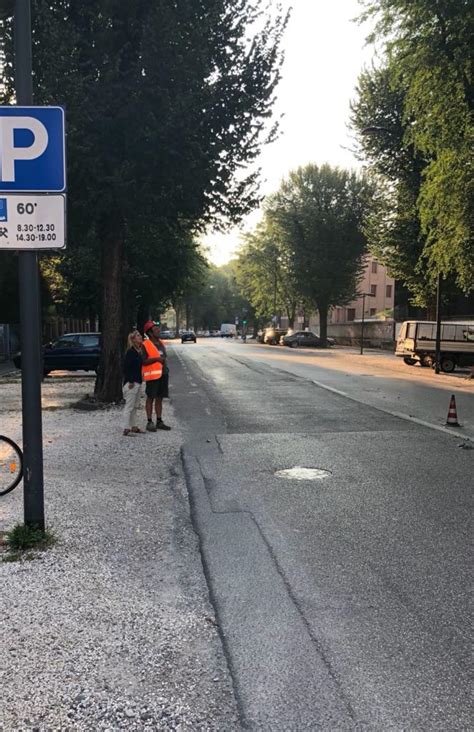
[32, 149]
[9, 153]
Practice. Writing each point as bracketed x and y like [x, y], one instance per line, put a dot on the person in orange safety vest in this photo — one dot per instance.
[155, 375]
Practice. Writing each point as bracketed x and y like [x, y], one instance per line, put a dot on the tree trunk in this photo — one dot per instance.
[291, 314]
[177, 312]
[108, 387]
[143, 314]
[323, 324]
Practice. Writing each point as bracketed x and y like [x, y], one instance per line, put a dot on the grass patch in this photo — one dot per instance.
[18, 557]
[23, 537]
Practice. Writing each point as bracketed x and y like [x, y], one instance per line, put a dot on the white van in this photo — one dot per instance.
[228, 330]
[417, 343]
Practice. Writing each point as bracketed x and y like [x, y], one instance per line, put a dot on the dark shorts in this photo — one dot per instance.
[158, 388]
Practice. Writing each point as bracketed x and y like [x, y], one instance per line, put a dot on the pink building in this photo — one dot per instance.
[379, 301]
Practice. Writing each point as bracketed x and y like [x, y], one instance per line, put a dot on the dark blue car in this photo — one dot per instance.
[70, 352]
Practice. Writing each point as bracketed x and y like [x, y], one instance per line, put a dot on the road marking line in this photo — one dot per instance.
[439, 427]
[400, 415]
[331, 388]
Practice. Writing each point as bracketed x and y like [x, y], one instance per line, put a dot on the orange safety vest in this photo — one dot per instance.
[152, 371]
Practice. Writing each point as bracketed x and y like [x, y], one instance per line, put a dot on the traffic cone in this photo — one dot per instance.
[452, 413]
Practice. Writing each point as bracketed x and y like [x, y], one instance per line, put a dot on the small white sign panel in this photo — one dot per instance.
[32, 222]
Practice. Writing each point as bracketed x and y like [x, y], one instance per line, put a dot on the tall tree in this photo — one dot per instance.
[392, 223]
[165, 102]
[266, 275]
[428, 47]
[319, 214]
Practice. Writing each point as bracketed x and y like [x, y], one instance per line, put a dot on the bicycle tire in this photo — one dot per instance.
[19, 473]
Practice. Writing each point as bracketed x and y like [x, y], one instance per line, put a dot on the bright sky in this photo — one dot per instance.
[324, 54]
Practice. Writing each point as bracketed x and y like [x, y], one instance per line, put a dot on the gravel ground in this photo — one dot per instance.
[111, 628]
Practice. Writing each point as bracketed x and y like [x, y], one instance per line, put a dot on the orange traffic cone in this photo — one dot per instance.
[452, 413]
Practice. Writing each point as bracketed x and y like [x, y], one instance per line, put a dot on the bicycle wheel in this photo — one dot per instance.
[11, 465]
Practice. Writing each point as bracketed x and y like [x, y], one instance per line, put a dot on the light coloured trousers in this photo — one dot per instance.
[132, 404]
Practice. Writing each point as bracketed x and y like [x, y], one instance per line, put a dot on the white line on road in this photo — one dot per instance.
[330, 388]
[400, 415]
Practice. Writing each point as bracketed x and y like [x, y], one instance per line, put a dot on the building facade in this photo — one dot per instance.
[379, 289]
[344, 322]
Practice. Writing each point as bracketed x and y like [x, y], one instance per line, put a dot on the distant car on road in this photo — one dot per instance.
[70, 352]
[187, 336]
[167, 335]
[228, 330]
[305, 338]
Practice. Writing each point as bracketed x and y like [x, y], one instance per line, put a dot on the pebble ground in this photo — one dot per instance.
[111, 628]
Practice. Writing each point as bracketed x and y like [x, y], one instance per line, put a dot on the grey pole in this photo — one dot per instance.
[30, 314]
[438, 327]
[362, 326]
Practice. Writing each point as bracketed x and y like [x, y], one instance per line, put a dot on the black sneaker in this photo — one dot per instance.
[160, 425]
[150, 427]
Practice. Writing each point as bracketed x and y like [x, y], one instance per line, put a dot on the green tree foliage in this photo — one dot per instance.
[217, 300]
[392, 223]
[428, 48]
[265, 273]
[165, 102]
[318, 213]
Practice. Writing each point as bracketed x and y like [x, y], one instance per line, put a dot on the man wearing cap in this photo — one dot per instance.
[155, 375]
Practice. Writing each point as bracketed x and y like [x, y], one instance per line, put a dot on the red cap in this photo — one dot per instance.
[148, 326]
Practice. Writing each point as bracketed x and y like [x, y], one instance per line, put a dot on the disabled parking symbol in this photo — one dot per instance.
[3, 209]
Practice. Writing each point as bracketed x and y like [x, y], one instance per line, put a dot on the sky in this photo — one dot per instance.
[324, 54]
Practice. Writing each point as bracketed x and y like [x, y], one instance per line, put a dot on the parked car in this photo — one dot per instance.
[272, 336]
[305, 338]
[70, 352]
[167, 335]
[188, 335]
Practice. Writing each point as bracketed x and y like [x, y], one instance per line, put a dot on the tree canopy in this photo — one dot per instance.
[166, 105]
[265, 273]
[427, 108]
[309, 251]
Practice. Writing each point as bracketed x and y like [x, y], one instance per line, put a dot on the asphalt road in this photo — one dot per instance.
[343, 602]
[377, 378]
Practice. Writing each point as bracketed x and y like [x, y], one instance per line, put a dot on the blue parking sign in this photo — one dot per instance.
[3, 209]
[32, 149]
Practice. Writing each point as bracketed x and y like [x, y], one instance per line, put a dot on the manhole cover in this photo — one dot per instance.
[298, 473]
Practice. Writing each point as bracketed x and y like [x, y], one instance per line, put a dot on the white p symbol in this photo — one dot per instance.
[9, 153]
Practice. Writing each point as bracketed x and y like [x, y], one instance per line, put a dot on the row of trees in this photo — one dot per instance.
[165, 103]
[413, 120]
[216, 299]
[308, 252]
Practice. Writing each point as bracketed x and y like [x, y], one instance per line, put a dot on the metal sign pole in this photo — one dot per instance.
[30, 313]
[438, 327]
[362, 326]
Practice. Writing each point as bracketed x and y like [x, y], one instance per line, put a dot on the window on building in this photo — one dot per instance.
[374, 267]
[372, 312]
[351, 313]
[373, 289]
[388, 291]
